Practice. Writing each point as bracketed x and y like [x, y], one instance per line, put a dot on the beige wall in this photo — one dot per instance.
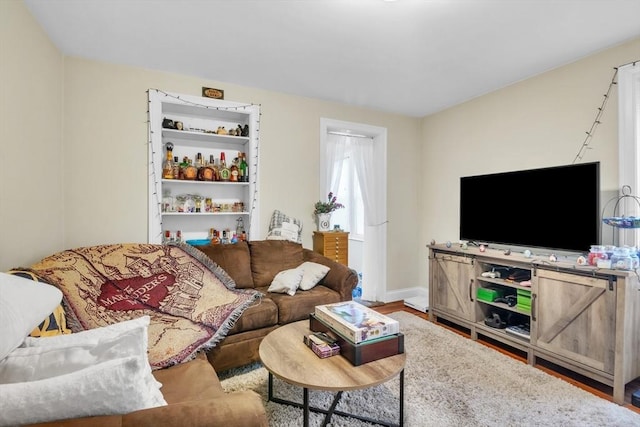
[31, 96]
[106, 141]
[80, 128]
[104, 150]
[538, 122]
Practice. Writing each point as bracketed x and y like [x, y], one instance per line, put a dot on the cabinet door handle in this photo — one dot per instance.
[471, 290]
[533, 307]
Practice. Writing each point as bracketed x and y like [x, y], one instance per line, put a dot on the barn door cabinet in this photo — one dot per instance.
[451, 287]
[581, 318]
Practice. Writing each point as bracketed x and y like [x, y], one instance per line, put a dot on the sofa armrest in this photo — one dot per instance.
[242, 408]
[340, 278]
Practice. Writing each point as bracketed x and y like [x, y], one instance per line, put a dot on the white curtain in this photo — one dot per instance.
[629, 141]
[364, 154]
[336, 150]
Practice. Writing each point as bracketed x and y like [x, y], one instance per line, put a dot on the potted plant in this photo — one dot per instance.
[323, 211]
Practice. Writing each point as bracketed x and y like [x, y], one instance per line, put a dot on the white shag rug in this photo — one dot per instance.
[449, 381]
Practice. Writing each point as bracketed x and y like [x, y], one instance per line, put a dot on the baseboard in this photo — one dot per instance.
[419, 303]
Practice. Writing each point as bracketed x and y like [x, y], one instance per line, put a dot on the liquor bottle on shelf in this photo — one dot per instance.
[167, 166]
[233, 177]
[212, 165]
[216, 168]
[199, 161]
[190, 171]
[176, 168]
[244, 169]
[225, 173]
[205, 171]
[182, 167]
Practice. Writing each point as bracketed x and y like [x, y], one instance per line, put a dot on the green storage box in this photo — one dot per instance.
[523, 300]
[489, 294]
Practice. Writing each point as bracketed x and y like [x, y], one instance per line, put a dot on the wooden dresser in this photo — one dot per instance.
[332, 244]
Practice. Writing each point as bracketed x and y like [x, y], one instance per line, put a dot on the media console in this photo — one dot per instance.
[582, 318]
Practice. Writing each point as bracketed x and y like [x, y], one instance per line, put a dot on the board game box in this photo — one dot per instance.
[356, 322]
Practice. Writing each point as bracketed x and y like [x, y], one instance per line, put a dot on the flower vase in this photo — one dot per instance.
[324, 221]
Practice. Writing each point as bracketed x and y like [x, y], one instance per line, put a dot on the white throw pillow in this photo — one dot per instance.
[90, 335]
[312, 274]
[54, 363]
[286, 282]
[283, 227]
[24, 304]
[116, 386]
[42, 361]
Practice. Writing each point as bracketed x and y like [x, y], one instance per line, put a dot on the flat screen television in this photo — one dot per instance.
[553, 208]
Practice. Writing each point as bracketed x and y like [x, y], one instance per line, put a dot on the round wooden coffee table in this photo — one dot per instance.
[284, 355]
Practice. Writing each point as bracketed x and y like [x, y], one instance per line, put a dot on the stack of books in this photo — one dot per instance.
[363, 334]
[322, 345]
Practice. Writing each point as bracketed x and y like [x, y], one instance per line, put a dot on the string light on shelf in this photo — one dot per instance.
[156, 181]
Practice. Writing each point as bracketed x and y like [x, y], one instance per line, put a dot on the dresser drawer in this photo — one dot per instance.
[332, 244]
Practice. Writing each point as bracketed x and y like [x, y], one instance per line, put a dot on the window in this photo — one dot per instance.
[352, 216]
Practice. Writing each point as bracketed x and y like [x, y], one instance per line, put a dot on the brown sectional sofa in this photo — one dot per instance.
[254, 265]
[194, 398]
[192, 389]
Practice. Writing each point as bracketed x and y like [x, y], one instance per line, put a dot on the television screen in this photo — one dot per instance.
[554, 208]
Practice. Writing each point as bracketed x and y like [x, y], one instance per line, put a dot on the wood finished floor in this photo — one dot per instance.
[584, 383]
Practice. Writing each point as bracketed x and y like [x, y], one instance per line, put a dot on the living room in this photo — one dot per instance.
[81, 127]
[91, 123]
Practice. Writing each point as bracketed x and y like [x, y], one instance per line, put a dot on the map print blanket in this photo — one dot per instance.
[192, 302]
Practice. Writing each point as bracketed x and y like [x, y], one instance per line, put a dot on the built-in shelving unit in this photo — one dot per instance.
[200, 118]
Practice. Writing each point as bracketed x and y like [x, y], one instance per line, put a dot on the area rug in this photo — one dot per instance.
[449, 381]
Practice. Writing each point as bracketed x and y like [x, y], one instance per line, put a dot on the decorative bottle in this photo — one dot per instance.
[176, 168]
[244, 169]
[167, 166]
[225, 173]
[190, 172]
[234, 171]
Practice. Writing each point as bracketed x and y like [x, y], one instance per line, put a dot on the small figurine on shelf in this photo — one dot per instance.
[245, 130]
[221, 130]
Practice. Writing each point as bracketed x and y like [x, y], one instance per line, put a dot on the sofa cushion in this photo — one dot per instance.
[194, 380]
[234, 259]
[299, 306]
[269, 257]
[260, 315]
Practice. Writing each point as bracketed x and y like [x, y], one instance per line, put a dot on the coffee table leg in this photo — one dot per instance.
[401, 398]
[305, 407]
[270, 386]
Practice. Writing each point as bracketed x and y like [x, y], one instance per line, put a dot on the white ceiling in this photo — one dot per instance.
[412, 57]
